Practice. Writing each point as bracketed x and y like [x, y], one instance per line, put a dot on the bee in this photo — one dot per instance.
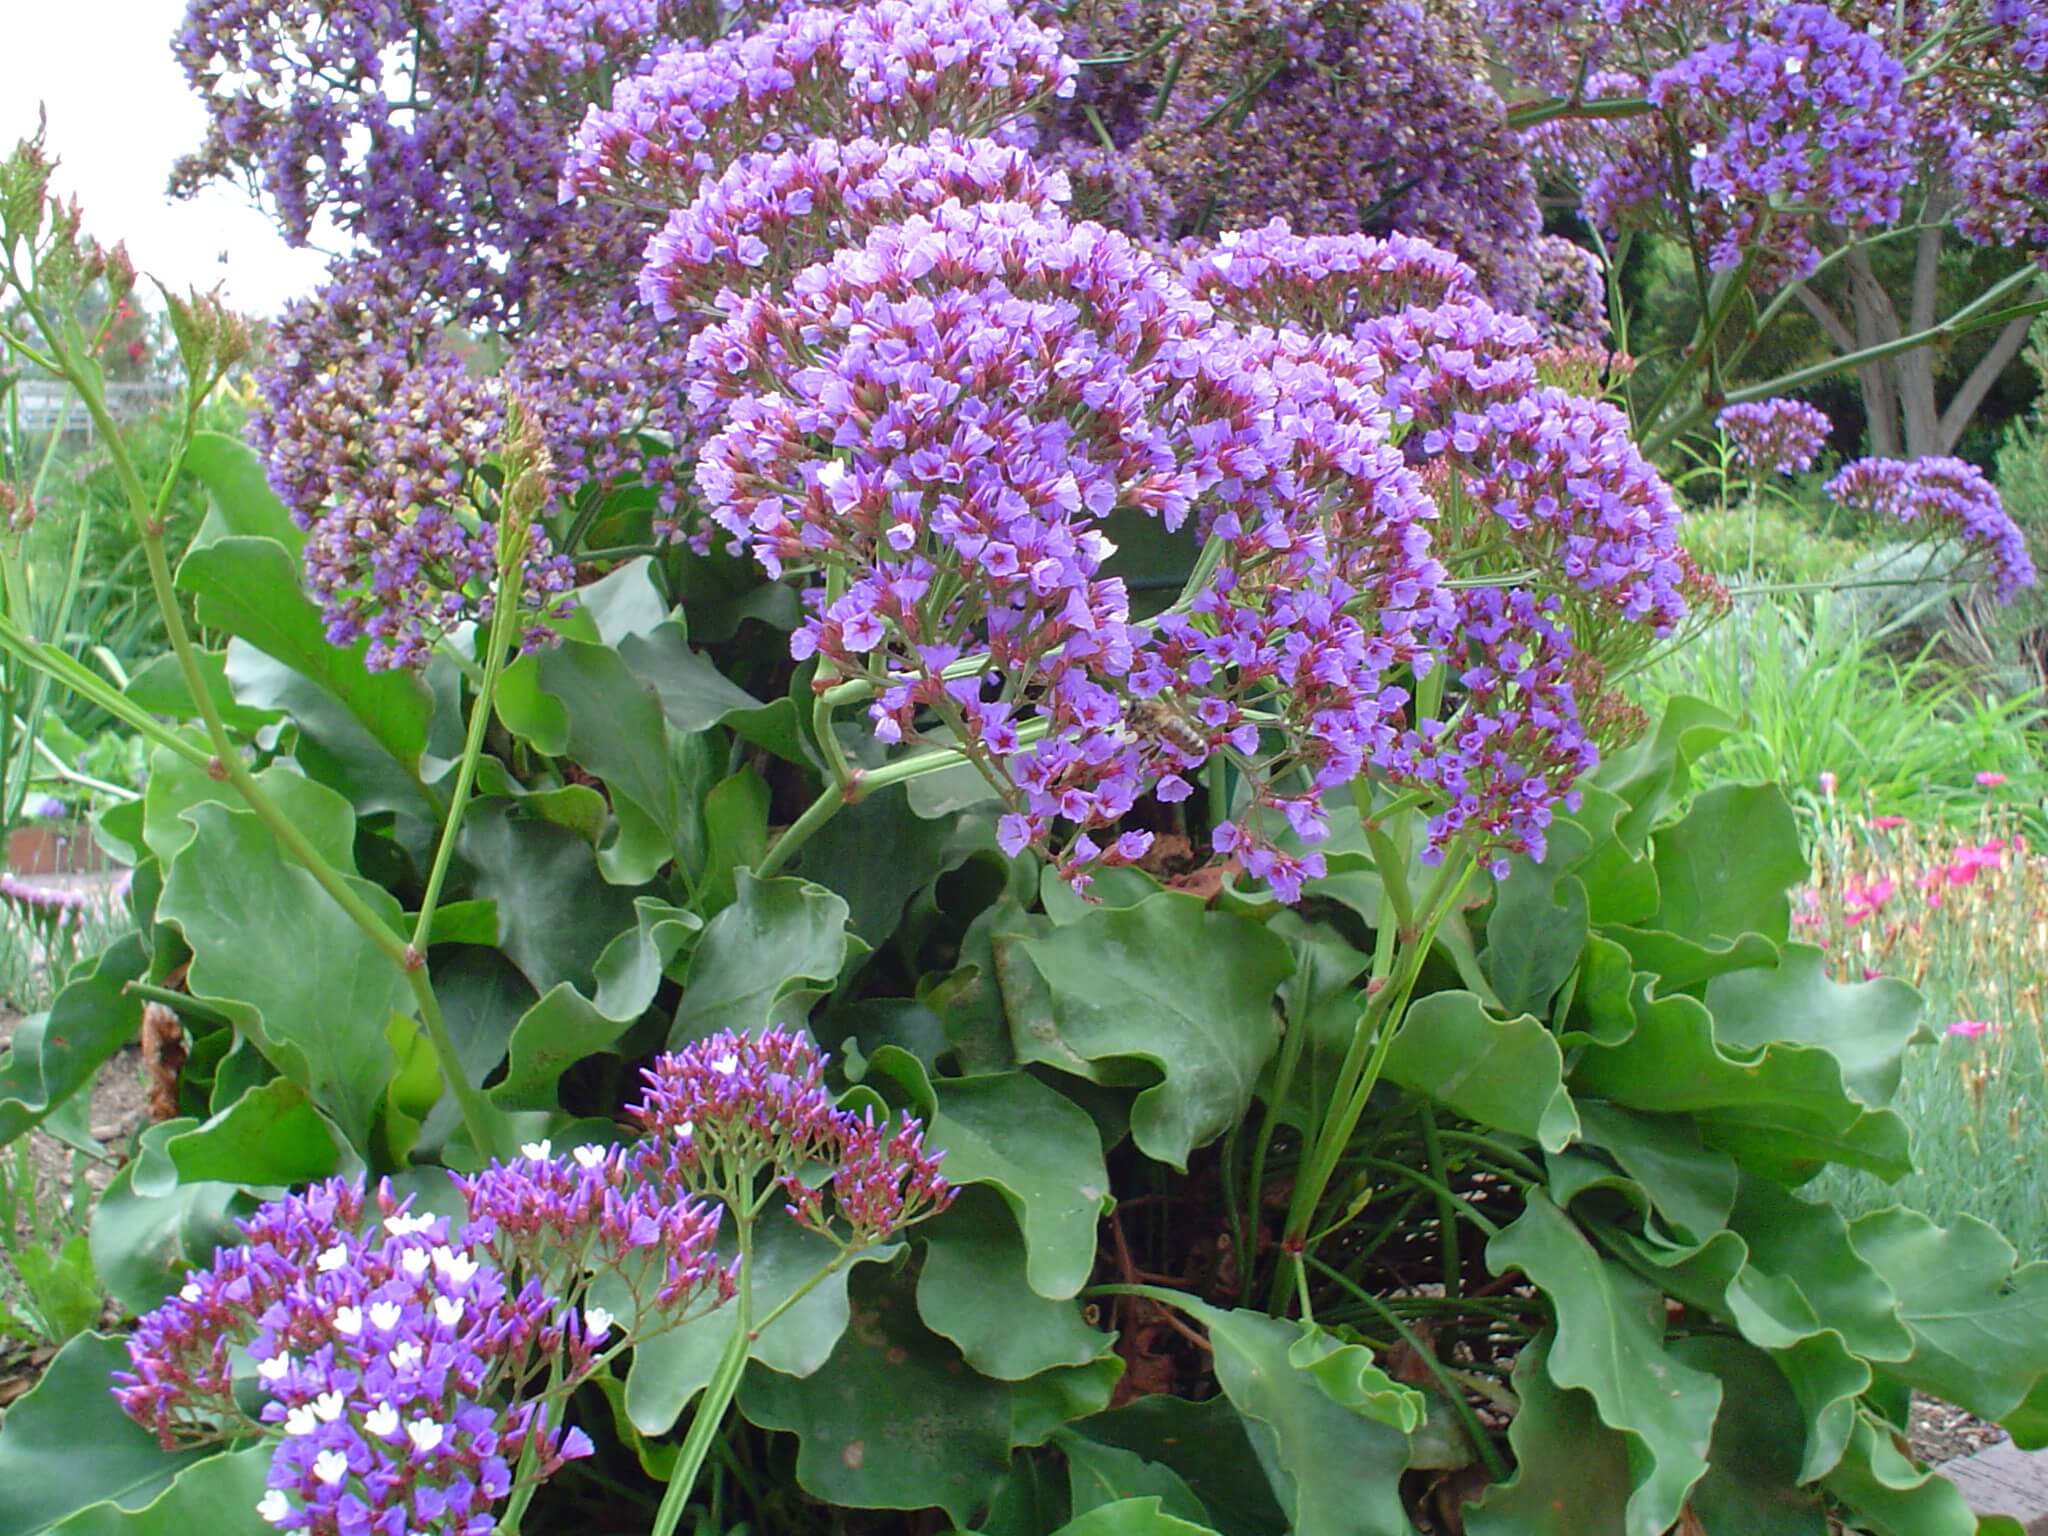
[1160, 720]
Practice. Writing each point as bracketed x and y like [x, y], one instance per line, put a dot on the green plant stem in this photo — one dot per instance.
[718, 1395]
[1446, 1213]
[88, 685]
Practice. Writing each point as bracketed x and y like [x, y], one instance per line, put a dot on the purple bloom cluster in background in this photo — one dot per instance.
[1941, 497]
[1776, 437]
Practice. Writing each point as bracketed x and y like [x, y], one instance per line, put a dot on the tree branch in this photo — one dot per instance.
[1963, 403]
[1823, 312]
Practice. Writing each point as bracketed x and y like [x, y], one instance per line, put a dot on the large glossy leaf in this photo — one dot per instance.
[1506, 1073]
[1978, 1318]
[1572, 1474]
[673, 1367]
[1723, 870]
[326, 819]
[1610, 1344]
[1100, 1474]
[1148, 1516]
[271, 1135]
[249, 588]
[1536, 930]
[892, 1420]
[1651, 774]
[55, 1055]
[1041, 1152]
[1333, 1467]
[695, 695]
[972, 1290]
[217, 1494]
[1889, 1496]
[1042, 1405]
[565, 1026]
[1185, 991]
[238, 491]
[67, 1445]
[142, 1243]
[1207, 1445]
[765, 959]
[877, 854]
[556, 913]
[158, 685]
[1864, 1025]
[312, 992]
[1690, 1185]
[582, 700]
[1753, 1482]
[1779, 1108]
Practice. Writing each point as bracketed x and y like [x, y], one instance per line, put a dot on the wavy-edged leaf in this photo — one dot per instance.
[1100, 1474]
[217, 1494]
[1506, 1073]
[54, 1056]
[272, 1135]
[1146, 1516]
[1610, 1343]
[1864, 1025]
[1572, 1473]
[1724, 869]
[1889, 1496]
[238, 490]
[765, 959]
[972, 1290]
[1185, 991]
[1207, 1444]
[1754, 1482]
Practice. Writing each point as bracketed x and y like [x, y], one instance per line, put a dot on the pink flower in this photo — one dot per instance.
[1889, 823]
[1970, 1029]
[1871, 973]
[1990, 780]
[1827, 783]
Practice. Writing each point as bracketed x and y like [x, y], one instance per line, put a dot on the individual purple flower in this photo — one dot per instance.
[1942, 498]
[1776, 437]
[886, 69]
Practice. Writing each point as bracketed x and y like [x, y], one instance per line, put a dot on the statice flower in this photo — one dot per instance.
[1943, 498]
[1458, 356]
[1800, 111]
[1776, 437]
[1987, 110]
[1570, 304]
[767, 215]
[384, 1346]
[887, 69]
[1272, 276]
[726, 1110]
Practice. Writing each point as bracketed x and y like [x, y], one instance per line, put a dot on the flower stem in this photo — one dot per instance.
[718, 1395]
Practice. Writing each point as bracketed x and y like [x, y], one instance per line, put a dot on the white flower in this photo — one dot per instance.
[597, 1322]
[424, 1434]
[455, 1267]
[299, 1421]
[404, 1355]
[448, 1309]
[414, 1262]
[539, 1151]
[275, 1368]
[686, 1129]
[381, 1421]
[402, 1225]
[327, 1406]
[589, 1155]
[273, 1506]
[188, 1292]
[332, 1259]
[726, 1065]
[349, 1320]
[330, 1466]
[1794, 64]
[384, 1315]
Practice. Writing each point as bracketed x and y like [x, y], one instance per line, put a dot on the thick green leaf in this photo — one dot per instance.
[239, 491]
[581, 700]
[1335, 1470]
[1572, 1473]
[1723, 870]
[565, 1026]
[1780, 1109]
[877, 853]
[696, 696]
[55, 1055]
[1506, 1073]
[1187, 991]
[1042, 1405]
[1610, 1343]
[1041, 1152]
[326, 819]
[1132, 1517]
[1620, 883]
[736, 836]
[1651, 774]
[271, 1135]
[1753, 1482]
[765, 959]
[1106, 1474]
[1207, 1444]
[1348, 1376]
[1691, 1186]
[1978, 1318]
[891, 1420]
[319, 1019]
[556, 913]
[1888, 1495]
[673, 1367]
[219, 1493]
[158, 685]
[972, 1290]
[67, 1445]
[1536, 930]
[1864, 1025]
[142, 1243]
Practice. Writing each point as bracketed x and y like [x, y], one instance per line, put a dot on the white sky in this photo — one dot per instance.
[120, 113]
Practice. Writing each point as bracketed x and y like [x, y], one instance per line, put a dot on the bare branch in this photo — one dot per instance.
[1963, 404]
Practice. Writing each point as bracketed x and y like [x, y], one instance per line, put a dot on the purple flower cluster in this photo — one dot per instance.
[1800, 114]
[725, 1109]
[1945, 498]
[765, 216]
[1993, 116]
[381, 1349]
[886, 69]
[1273, 276]
[1776, 437]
